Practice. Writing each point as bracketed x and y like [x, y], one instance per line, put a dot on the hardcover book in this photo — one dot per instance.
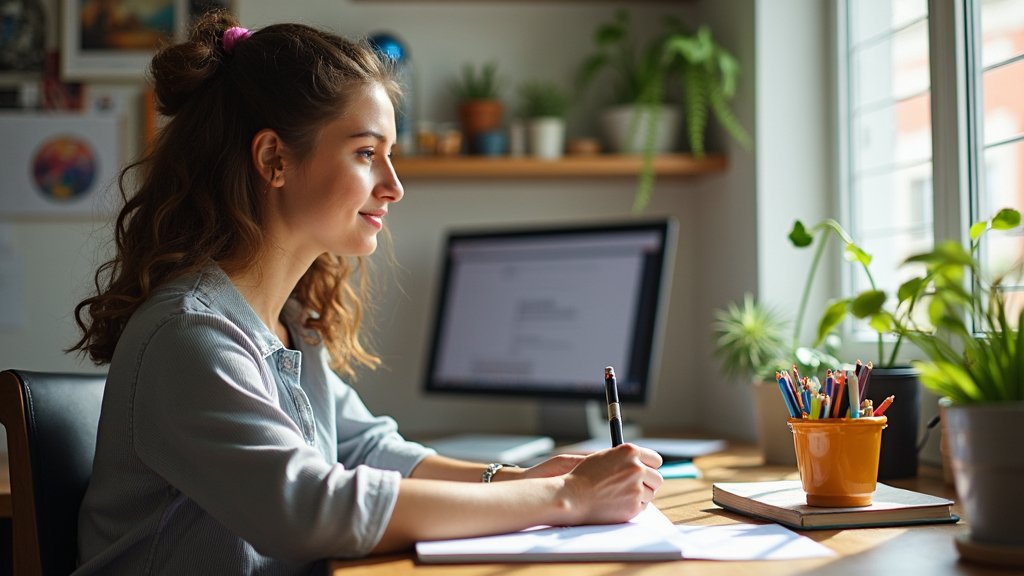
[784, 501]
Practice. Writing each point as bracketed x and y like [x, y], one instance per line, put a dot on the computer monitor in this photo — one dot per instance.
[540, 311]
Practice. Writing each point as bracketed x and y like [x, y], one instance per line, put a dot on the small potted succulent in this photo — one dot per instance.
[478, 93]
[544, 106]
[751, 343]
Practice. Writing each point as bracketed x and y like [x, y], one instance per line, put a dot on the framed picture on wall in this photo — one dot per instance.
[22, 39]
[116, 40]
[59, 165]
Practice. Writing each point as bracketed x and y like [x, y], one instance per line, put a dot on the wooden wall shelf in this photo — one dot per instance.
[568, 167]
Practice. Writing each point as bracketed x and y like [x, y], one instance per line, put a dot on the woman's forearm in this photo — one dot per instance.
[437, 509]
[606, 487]
[438, 467]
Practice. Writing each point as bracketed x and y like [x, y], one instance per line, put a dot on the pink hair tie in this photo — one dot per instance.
[232, 36]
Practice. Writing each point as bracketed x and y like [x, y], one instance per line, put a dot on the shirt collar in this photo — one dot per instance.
[221, 295]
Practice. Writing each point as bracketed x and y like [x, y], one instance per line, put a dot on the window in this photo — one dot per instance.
[998, 54]
[888, 176]
[897, 196]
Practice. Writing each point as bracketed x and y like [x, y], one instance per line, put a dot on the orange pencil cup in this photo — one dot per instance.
[838, 459]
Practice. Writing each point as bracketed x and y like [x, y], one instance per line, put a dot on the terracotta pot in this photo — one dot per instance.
[478, 116]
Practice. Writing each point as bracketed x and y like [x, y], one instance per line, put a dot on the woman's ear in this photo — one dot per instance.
[267, 156]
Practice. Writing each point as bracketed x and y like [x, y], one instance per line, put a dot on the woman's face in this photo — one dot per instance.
[336, 199]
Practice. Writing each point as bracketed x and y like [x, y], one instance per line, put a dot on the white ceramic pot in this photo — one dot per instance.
[988, 464]
[624, 135]
[546, 137]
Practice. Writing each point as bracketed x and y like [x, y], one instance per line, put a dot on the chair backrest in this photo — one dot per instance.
[52, 421]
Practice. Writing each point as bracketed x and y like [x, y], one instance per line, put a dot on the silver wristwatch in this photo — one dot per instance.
[492, 469]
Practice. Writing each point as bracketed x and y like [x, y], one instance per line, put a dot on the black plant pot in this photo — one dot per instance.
[898, 458]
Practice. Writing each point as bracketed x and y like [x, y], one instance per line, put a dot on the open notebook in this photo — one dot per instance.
[648, 537]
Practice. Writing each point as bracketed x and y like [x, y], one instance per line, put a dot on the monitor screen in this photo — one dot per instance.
[542, 311]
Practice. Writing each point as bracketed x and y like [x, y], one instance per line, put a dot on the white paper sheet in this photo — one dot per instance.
[747, 542]
[648, 537]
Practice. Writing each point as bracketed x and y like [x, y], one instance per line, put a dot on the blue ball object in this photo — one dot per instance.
[389, 45]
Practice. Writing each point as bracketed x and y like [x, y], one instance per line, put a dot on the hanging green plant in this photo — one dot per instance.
[707, 75]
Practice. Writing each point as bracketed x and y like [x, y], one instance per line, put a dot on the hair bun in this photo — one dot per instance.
[179, 70]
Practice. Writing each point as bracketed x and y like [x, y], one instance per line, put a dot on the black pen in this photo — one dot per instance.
[611, 392]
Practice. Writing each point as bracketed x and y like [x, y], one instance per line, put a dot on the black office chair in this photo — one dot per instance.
[51, 422]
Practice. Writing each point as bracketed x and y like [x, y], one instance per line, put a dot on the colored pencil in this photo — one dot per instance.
[882, 407]
[853, 390]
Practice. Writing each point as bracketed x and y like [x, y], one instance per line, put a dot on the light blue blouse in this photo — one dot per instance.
[222, 452]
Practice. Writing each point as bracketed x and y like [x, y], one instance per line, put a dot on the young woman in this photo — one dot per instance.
[227, 443]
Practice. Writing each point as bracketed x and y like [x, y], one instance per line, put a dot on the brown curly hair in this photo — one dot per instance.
[198, 195]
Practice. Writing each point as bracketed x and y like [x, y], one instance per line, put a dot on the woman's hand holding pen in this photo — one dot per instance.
[612, 485]
[606, 487]
[554, 466]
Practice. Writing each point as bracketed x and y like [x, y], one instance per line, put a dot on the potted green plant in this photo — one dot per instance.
[750, 343]
[888, 376]
[478, 93]
[544, 106]
[705, 72]
[975, 361]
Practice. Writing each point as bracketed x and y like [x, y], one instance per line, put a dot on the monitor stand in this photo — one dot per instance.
[585, 427]
[503, 448]
[562, 421]
[574, 421]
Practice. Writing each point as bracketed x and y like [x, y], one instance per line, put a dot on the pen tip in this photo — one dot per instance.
[609, 371]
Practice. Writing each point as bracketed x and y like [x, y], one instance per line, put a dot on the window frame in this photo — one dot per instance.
[957, 151]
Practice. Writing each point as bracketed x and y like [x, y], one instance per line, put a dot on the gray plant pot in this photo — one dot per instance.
[617, 122]
[988, 462]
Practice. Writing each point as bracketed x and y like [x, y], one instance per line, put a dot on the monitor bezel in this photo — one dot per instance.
[666, 227]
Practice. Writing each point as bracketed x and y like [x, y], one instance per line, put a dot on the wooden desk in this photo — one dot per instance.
[898, 550]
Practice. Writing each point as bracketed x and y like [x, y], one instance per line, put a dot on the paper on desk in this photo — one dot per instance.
[747, 542]
[648, 537]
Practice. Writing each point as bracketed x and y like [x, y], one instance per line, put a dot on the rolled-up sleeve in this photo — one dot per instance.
[207, 419]
[364, 438]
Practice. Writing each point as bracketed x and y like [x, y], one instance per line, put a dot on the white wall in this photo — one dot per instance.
[795, 173]
[728, 222]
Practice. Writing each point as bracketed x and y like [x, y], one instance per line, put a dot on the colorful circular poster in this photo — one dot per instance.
[64, 168]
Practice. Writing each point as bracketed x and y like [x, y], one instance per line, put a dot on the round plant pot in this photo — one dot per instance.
[625, 128]
[546, 137]
[898, 458]
[944, 444]
[774, 435]
[989, 464]
[479, 116]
